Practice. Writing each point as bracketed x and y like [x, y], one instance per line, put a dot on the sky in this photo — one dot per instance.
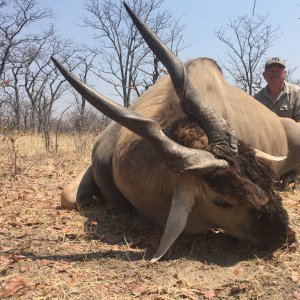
[201, 20]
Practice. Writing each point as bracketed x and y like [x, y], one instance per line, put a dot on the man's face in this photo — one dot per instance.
[274, 73]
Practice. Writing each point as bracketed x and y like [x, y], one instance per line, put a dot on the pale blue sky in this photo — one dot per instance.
[201, 19]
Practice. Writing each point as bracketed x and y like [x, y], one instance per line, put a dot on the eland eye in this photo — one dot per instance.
[222, 203]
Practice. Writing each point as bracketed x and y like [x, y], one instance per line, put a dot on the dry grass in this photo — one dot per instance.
[49, 253]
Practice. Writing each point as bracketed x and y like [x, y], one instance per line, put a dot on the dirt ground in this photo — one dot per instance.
[50, 253]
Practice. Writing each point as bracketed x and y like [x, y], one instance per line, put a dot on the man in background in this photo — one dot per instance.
[281, 97]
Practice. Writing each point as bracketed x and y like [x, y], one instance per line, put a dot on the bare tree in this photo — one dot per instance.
[247, 40]
[85, 57]
[42, 82]
[126, 61]
[12, 89]
[14, 20]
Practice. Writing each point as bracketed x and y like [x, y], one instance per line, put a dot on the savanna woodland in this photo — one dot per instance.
[47, 252]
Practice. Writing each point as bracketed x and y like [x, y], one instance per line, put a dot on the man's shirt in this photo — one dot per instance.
[287, 103]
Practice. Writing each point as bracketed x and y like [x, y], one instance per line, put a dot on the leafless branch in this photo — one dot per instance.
[253, 9]
[247, 40]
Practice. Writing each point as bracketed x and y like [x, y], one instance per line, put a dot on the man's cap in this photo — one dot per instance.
[275, 60]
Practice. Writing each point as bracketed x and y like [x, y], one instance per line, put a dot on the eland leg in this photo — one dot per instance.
[78, 192]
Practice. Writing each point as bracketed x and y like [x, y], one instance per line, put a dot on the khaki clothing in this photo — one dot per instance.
[287, 103]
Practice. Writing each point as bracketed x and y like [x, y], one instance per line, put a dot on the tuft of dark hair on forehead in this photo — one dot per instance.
[248, 179]
[246, 164]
